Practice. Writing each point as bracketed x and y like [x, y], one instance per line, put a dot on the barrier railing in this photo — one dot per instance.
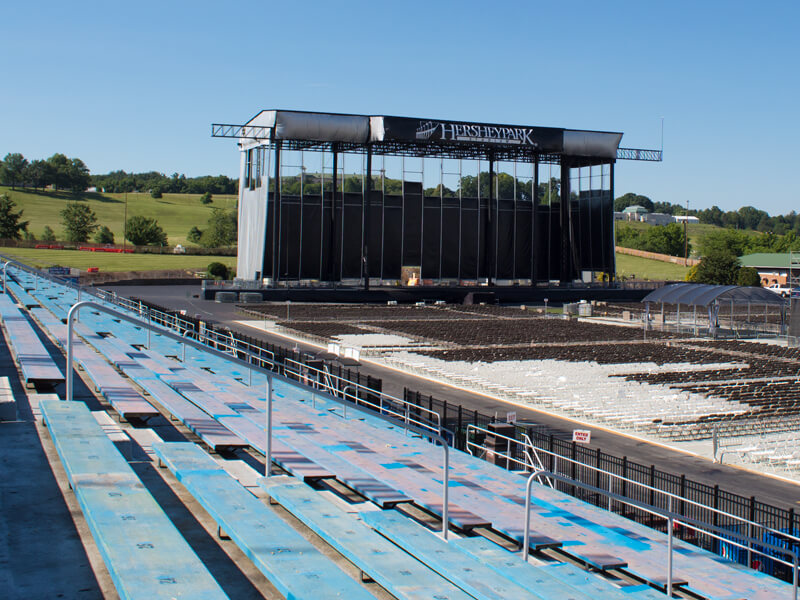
[258, 356]
[672, 518]
[252, 354]
[699, 526]
[271, 378]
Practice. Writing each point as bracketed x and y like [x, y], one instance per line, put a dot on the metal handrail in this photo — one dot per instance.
[669, 495]
[671, 517]
[271, 377]
[435, 416]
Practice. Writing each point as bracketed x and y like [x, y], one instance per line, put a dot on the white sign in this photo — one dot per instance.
[511, 417]
[582, 436]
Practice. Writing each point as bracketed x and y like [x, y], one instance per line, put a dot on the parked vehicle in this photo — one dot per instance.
[783, 290]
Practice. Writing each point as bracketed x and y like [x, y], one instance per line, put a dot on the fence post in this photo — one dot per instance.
[751, 517]
[624, 483]
[715, 519]
[597, 474]
[682, 495]
[652, 485]
[574, 467]
[457, 442]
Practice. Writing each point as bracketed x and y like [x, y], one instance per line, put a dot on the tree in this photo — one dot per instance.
[79, 221]
[206, 198]
[59, 165]
[222, 229]
[216, 270]
[156, 193]
[48, 235]
[39, 174]
[78, 175]
[104, 236]
[10, 224]
[142, 231]
[14, 168]
[194, 235]
[748, 276]
[631, 199]
[717, 268]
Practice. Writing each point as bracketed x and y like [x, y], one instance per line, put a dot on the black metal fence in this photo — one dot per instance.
[592, 465]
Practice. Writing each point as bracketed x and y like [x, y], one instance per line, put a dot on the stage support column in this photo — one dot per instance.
[365, 220]
[566, 224]
[612, 276]
[276, 216]
[534, 219]
[334, 245]
[490, 260]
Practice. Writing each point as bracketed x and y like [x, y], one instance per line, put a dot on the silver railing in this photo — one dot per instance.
[259, 357]
[270, 385]
[669, 498]
[672, 519]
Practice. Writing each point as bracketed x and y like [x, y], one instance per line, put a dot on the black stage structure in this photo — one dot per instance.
[308, 223]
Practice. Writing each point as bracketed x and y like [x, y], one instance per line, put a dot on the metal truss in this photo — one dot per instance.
[638, 154]
[436, 149]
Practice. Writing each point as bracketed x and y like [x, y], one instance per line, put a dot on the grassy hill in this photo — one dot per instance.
[42, 259]
[652, 270]
[176, 213]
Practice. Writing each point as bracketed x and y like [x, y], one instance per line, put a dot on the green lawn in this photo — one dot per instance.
[175, 213]
[645, 268]
[107, 261]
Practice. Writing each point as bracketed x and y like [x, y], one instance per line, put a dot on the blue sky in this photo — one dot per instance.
[136, 85]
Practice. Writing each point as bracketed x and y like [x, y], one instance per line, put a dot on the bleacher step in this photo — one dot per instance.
[470, 574]
[400, 574]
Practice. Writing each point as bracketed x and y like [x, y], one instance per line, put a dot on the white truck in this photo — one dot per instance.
[781, 289]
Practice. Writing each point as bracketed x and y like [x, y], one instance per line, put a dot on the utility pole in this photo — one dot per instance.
[125, 221]
[686, 236]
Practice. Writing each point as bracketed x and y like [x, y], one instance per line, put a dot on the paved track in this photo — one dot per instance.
[766, 489]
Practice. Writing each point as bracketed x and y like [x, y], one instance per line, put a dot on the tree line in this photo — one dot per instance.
[746, 217]
[58, 171]
[63, 173]
[118, 182]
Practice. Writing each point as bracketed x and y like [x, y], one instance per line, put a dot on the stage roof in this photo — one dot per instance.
[699, 294]
[407, 136]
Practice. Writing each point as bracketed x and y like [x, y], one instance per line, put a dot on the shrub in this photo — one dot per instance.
[104, 236]
[141, 231]
[206, 198]
[194, 235]
[79, 221]
[748, 276]
[216, 270]
[48, 235]
[155, 193]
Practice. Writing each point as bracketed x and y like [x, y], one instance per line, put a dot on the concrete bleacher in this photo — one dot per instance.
[29, 353]
[144, 553]
[289, 561]
[398, 572]
[382, 464]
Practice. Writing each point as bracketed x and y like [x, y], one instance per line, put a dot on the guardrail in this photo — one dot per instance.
[672, 519]
[253, 355]
[271, 377]
[703, 527]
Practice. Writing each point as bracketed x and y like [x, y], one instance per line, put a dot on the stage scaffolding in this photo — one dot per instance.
[324, 198]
